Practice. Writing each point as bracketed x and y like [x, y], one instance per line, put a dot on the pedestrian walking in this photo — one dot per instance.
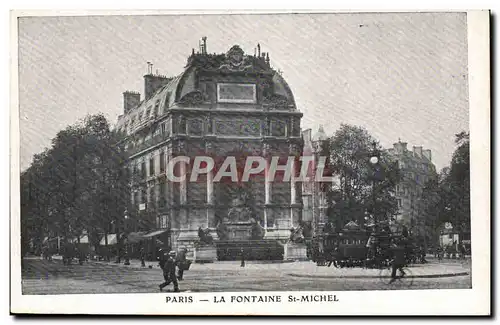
[242, 253]
[463, 251]
[167, 263]
[398, 261]
[142, 253]
[181, 262]
[81, 256]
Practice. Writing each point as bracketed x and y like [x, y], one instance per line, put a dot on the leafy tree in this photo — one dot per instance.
[447, 198]
[79, 184]
[457, 185]
[362, 187]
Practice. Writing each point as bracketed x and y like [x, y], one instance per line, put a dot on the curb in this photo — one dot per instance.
[424, 276]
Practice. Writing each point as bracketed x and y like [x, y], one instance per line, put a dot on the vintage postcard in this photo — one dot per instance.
[190, 163]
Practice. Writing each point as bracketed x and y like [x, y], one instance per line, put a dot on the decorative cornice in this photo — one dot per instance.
[234, 60]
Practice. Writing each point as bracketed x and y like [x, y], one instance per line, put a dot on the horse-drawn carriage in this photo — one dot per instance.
[357, 247]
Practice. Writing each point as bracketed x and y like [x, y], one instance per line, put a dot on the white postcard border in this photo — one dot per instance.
[413, 302]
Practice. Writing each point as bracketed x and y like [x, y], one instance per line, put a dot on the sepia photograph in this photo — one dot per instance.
[226, 160]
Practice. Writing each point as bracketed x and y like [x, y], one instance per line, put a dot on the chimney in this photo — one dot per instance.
[152, 83]
[131, 99]
[417, 151]
[427, 154]
[400, 147]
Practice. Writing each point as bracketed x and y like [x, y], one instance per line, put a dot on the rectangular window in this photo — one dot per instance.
[399, 203]
[163, 128]
[236, 93]
[162, 162]
[136, 198]
[143, 170]
[151, 167]
[143, 196]
[161, 199]
[151, 199]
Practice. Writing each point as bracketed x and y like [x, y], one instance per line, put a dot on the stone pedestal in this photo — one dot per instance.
[205, 254]
[189, 239]
[239, 230]
[295, 252]
[280, 232]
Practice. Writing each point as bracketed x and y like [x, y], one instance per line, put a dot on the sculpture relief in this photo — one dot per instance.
[191, 99]
[275, 101]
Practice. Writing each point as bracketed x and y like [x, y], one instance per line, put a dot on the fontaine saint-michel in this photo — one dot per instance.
[229, 104]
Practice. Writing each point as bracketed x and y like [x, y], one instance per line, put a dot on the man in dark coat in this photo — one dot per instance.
[242, 256]
[181, 262]
[398, 262]
[143, 257]
[167, 263]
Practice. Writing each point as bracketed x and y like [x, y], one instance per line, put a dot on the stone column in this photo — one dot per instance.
[293, 194]
[210, 195]
[268, 184]
[210, 198]
[183, 184]
[183, 215]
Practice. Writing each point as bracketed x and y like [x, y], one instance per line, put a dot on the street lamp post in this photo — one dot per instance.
[374, 160]
[127, 259]
[117, 230]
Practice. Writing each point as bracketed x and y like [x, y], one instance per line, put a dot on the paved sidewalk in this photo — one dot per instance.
[309, 269]
[430, 270]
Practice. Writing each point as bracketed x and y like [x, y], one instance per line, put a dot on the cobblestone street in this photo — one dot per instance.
[43, 277]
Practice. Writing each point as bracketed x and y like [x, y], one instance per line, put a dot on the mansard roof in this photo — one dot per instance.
[183, 89]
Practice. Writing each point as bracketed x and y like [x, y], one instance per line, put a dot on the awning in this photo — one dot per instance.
[155, 233]
[135, 237]
[111, 240]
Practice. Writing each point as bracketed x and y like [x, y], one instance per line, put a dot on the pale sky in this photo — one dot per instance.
[398, 75]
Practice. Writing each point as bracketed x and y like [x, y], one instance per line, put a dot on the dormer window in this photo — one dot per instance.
[148, 112]
[157, 106]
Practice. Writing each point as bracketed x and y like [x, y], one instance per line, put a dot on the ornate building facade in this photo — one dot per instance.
[221, 105]
[416, 169]
[314, 200]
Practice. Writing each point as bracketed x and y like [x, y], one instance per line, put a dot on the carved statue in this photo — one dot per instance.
[257, 231]
[205, 237]
[222, 231]
[240, 211]
[296, 235]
